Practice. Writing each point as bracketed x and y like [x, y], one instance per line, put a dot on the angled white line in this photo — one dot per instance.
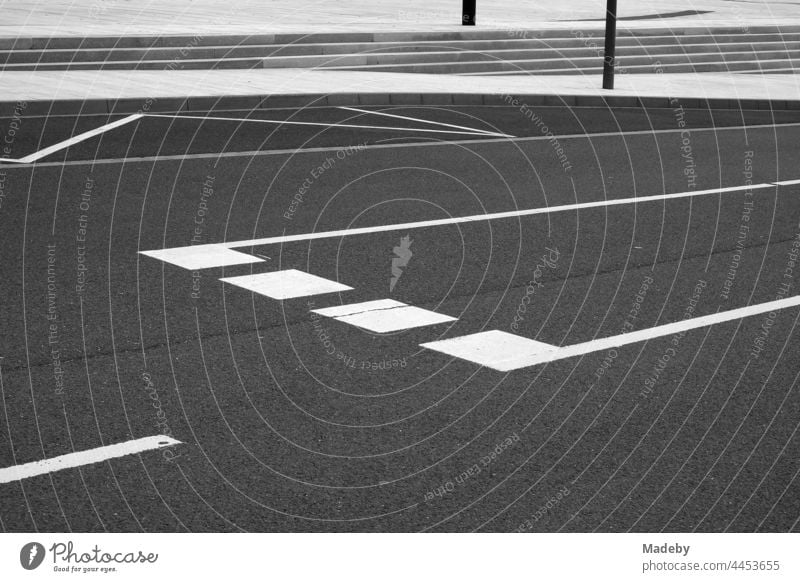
[72, 460]
[459, 219]
[422, 144]
[481, 349]
[319, 124]
[384, 114]
[73, 140]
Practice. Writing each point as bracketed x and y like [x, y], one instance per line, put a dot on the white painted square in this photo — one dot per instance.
[384, 315]
[494, 349]
[199, 257]
[286, 284]
[395, 319]
[352, 308]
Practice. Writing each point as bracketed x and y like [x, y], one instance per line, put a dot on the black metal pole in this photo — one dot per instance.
[609, 60]
[468, 13]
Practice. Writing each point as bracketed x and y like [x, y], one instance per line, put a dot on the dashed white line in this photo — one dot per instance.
[198, 257]
[340, 310]
[92, 456]
[384, 315]
[288, 284]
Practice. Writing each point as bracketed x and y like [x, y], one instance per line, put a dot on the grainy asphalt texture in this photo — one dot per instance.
[281, 432]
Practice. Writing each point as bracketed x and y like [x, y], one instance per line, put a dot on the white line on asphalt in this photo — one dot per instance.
[395, 319]
[485, 349]
[787, 183]
[192, 258]
[379, 146]
[384, 315]
[492, 348]
[318, 124]
[287, 284]
[72, 460]
[340, 310]
[383, 113]
[73, 140]
[462, 219]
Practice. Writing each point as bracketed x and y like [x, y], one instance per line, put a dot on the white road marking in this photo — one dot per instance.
[72, 460]
[287, 284]
[314, 123]
[462, 219]
[787, 183]
[384, 315]
[202, 257]
[384, 114]
[486, 348]
[490, 348]
[352, 308]
[378, 146]
[73, 140]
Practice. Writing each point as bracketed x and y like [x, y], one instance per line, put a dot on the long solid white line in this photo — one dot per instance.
[73, 140]
[383, 113]
[318, 124]
[72, 460]
[559, 353]
[473, 218]
[422, 144]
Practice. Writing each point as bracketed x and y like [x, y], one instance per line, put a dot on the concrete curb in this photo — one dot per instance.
[211, 103]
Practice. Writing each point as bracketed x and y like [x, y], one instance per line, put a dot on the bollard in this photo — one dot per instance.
[609, 60]
[468, 13]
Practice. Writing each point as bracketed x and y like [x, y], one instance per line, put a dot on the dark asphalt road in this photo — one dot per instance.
[280, 434]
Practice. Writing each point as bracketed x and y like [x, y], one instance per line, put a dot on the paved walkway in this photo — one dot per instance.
[126, 17]
[112, 85]
[129, 17]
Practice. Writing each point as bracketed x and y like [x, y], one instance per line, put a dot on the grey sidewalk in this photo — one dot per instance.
[105, 91]
[115, 90]
[120, 17]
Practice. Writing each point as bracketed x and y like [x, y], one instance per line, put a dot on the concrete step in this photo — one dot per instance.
[170, 65]
[662, 52]
[651, 62]
[461, 34]
[463, 52]
[297, 50]
[744, 67]
[658, 51]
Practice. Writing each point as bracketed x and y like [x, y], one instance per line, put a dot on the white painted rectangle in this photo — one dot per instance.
[395, 319]
[493, 348]
[287, 284]
[352, 308]
[72, 460]
[199, 257]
